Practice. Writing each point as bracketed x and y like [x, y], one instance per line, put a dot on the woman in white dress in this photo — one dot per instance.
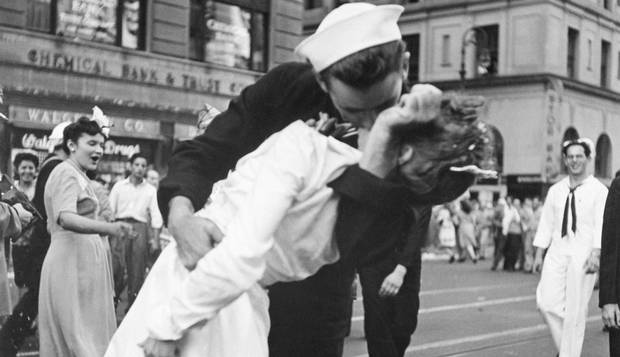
[277, 215]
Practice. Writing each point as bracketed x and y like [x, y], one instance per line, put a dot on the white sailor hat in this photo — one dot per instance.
[56, 136]
[350, 28]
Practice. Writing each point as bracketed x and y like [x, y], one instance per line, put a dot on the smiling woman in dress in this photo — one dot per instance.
[76, 311]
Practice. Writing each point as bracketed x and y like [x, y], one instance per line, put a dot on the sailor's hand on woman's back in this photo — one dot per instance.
[194, 235]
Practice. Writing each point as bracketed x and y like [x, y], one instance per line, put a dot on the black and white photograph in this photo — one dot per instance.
[309, 178]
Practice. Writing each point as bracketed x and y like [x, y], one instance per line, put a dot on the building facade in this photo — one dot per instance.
[150, 65]
[549, 69]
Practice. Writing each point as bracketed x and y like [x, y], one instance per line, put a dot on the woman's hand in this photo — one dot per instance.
[122, 230]
[158, 348]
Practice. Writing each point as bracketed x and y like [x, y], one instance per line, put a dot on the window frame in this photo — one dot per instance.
[254, 7]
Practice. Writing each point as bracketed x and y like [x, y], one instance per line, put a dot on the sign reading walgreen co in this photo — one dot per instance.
[111, 62]
[48, 118]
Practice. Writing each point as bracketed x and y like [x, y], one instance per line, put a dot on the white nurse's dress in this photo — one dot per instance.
[277, 215]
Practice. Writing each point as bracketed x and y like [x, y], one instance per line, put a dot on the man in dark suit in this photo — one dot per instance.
[391, 288]
[609, 280]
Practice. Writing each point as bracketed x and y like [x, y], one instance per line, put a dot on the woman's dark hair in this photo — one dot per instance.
[73, 131]
[367, 67]
[25, 156]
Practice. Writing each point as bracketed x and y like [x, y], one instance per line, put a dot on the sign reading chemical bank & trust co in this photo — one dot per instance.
[111, 62]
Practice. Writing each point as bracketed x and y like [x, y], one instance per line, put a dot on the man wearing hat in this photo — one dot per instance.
[19, 325]
[570, 229]
[357, 68]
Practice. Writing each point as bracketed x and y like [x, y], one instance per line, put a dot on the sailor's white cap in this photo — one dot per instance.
[350, 28]
[56, 136]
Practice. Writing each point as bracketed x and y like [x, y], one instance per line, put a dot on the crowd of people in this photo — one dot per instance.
[276, 205]
[502, 231]
[70, 290]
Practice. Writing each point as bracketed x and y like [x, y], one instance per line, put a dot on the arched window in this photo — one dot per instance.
[602, 160]
[570, 134]
[498, 150]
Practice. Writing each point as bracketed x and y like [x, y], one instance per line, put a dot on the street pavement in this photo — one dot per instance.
[469, 310]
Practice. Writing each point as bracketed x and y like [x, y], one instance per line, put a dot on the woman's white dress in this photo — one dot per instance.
[277, 215]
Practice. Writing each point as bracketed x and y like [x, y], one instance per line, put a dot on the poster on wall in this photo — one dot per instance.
[92, 20]
[228, 35]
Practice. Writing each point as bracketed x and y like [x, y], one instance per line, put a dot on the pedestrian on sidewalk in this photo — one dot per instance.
[570, 229]
[499, 239]
[76, 311]
[467, 230]
[134, 200]
[512, 230]
[447, 232]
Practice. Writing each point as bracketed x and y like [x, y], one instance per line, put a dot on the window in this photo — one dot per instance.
[413, 46]
[497, 159]
[312, 4]
[607, 4]
[605, 52]
[132, 24]
[229, 34]
[487, 50]
[38, 15]
[618, 74]
[589, 54]
[115, 22]
[602, 159]
[445, 51]
[571, 54]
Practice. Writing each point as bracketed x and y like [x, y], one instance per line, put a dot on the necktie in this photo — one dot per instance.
[570, 201]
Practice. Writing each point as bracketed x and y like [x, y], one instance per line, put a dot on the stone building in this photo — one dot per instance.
[150, 65]
[550, 71]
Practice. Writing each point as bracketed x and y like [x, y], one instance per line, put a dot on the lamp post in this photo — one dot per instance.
[469, 36]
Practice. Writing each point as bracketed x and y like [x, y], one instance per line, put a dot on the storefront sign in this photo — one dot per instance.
[50, 118]
[523, 179]
[32, 141]
[116, 151]
[85, 59]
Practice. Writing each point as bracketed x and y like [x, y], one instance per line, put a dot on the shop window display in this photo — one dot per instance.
[227, 34]
[114, 22]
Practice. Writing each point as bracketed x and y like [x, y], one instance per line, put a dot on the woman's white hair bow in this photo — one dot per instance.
[102, 120]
